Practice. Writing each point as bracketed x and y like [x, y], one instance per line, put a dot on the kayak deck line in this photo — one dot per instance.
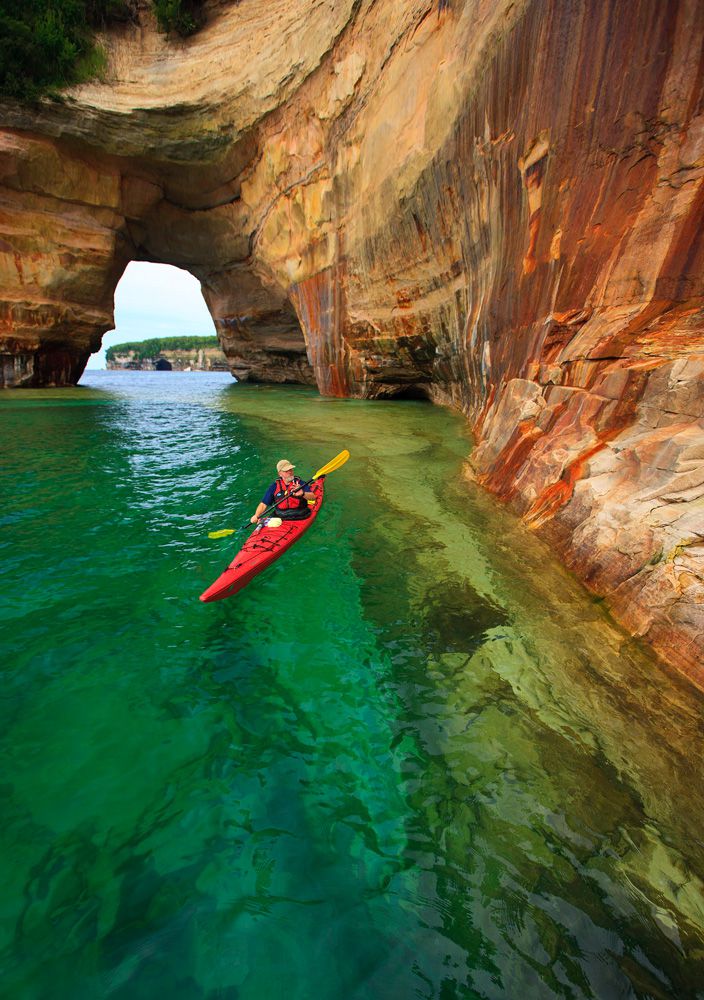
[263, 547]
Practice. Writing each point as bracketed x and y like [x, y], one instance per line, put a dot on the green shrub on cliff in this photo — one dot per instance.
[49, 44]
[41, 44]
[181, 16]
[143, 349]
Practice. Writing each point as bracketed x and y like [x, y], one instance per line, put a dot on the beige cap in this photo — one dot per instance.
[284, 465]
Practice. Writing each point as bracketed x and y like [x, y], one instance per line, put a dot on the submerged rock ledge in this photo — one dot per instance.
[494, 204]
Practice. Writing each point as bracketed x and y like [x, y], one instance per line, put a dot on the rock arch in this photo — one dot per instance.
[78, 220]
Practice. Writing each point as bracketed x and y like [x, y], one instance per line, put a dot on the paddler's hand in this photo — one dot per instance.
[254, 519]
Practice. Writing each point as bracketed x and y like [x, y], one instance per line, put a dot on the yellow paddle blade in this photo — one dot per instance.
[333, 464]
[222, 533]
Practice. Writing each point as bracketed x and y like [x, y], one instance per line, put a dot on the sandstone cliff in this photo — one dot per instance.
[494, 203]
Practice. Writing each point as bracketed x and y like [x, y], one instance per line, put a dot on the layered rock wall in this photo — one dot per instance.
[491, 203]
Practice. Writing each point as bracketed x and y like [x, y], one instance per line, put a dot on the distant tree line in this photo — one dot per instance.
[49, 44]
[144, 349]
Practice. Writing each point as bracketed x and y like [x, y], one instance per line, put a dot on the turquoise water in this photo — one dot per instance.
[414, 759]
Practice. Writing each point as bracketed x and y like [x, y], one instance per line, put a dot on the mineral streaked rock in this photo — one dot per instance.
[496, 204]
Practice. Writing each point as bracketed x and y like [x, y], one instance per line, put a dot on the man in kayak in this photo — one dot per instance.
[287, 493]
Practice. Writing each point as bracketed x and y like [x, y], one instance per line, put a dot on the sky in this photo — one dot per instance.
[155, 300]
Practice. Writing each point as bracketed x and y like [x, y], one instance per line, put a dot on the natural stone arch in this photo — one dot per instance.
[77, 221]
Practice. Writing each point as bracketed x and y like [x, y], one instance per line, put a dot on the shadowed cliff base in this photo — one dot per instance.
[497, 204]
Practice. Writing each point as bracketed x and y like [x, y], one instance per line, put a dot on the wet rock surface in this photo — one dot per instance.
[496, 205]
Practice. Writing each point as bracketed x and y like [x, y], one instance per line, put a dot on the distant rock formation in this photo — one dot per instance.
[162, 354]
[209, 360]
[497, 204]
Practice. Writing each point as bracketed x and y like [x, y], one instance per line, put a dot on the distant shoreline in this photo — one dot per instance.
[167, 354]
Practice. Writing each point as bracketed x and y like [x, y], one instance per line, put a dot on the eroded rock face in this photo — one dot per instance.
[492, 203]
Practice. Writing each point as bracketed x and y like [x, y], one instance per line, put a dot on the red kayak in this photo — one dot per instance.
[261, 549]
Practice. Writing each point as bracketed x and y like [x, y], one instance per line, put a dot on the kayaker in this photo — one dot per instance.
[288, 494]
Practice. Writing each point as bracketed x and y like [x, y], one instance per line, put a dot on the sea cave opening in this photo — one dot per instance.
[152, 302]
[413, 391]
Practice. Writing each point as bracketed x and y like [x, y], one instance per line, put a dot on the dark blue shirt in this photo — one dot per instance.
[268, 497]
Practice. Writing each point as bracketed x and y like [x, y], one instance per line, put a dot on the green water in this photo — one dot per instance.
[413, 760]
